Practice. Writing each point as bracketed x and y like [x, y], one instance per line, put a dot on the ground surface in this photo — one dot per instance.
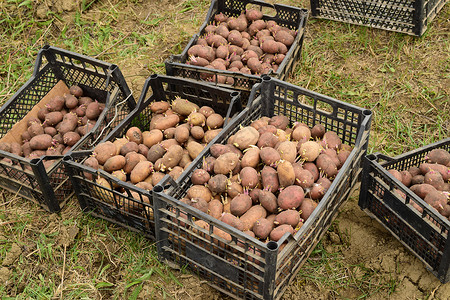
[404, 80]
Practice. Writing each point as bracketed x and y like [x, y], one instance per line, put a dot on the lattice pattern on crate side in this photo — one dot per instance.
[26, 100]
[122, 209]
[241, 269]
[397, 15]
[405, 233]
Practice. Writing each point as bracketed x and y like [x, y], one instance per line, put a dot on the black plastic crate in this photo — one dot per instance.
[405, 16]
[51, 187]
[123, 209]
[287, 16]
[245, 267]
[424, 234]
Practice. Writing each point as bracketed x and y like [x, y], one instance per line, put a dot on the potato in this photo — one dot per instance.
[332, 140]
[184, 107]
[250, 158]
[93, 110]
[26, 136]
[234, 189]
[286, 174]
[278, 232]
[41, 142]
[199, 191]
[317, 192]
[253, 14]
[249, 177]
[197, 132]
[114, 163]
[216, 40]
[215, 208]
[290, 216]
[208, 164]
[217, 184]
[262, 228]
[134, 134]
[70, 101]
[435, 179]
[326, 165]
[240, 204]
[143, 185]
[269, 156]
[152, 137]
[167, 122]
[185, 160]
[181, 134]
[199, 204]
[217, 150]
[35, 129]
[53, 118]
[194, 149]
[166, 144]
[141, 171]
[69, 123]
[438, 156]
[436, 199]
[129, 147]
[443, 170]
[303, 178]
[226, 163]
[280, 122]
[214, 121]
[232, 220]
[287, 151]
[172, 157]
[155, 152]
[284, 37]
[269, 46]
[245, 137]
[103, 151]
[50, 130]
[301, 133]
[307, 207]
[343, 154]
[269, 178]
[309, 150]
[291, 197]
[206, 111]
[56, 103]
[15, 148]
[418, 179]
[333, 155]
[157, 177]
[71, 138]
[200, 176]
[58, 138]
[268, 200]
[249, 218]
[76, 91]
[210, 135]
[267, 139]
[159, 107]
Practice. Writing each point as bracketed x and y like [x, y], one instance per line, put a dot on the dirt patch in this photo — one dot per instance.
[13, 254]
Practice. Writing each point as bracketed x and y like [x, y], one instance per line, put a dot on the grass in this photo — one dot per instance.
[404, 80]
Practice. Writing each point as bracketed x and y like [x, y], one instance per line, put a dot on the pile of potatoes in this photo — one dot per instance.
[430, 181]
[268, 178]
[59, 125]
[246, 44]
[177, 133]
